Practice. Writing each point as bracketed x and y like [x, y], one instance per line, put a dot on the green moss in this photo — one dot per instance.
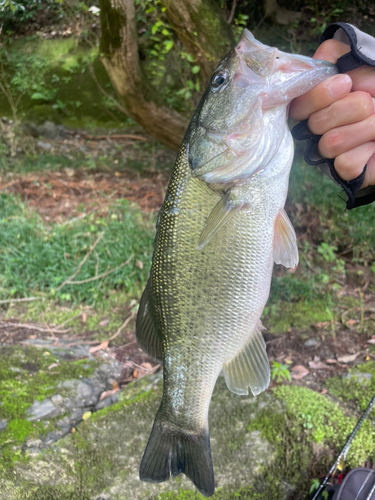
[25, 377]
[353, 388]
[283, 315]
[322, 421]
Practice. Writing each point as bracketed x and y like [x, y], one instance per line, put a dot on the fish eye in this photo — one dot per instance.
[218, 80]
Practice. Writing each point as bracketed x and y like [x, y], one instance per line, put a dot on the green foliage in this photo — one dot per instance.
[17, 13]
[37, 259]
[315, 483]
[341, 228]
[280, 372]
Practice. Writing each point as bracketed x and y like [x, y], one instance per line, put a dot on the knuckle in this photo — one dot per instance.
[330, 143]
[364, 103]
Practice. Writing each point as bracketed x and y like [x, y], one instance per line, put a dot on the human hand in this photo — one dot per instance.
[342, 110]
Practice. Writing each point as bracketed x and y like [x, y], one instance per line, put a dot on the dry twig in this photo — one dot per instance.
[34, 327]
[24, 299]
[91, 342]
[102, 275]
[81, 263]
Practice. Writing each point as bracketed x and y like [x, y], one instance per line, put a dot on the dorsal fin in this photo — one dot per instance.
[285, 250]
[222, 212]
[148, 336]
[250, 366]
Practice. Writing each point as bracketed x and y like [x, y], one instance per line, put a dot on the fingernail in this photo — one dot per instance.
[339, 86]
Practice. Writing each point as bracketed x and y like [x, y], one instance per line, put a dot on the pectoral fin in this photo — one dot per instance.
[147, 334]
[285, 250]
[220, 215]
[250, 367]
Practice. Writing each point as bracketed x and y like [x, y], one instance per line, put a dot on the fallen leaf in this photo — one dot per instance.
[371, 341]
[348, 358]
[318, 365]
[331, 361]
[52, 366]
[139, 264]
[84, 317]
[351, 322]
[86, 415]
[106, 394]
[147, 366]
[145, 369]
[101, 347]
[322, 324]
[104, 322]
[324, 391]
[115, 386]
[299, 372]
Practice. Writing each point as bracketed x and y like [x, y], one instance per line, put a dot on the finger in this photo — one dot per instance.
[320, 97]
[342, 139]
[370, 172]
[350, 165]
[352, 108]
[327, 92]
[364, 79]
[331, 50]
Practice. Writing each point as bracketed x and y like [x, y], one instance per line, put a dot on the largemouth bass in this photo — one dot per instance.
[221, 227]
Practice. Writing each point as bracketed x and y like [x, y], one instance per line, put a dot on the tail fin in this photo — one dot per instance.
[171, 450]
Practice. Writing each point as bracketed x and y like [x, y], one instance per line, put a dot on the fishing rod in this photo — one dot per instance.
[345, 449]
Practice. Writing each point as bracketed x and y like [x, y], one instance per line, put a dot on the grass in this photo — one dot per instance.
[37, 259]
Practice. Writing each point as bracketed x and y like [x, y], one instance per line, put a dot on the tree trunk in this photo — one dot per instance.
[119, 46]
[203, 32]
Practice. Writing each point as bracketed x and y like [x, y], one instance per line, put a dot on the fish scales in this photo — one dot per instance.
[220, 228]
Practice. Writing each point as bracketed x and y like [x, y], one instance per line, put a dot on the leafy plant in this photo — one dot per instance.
[315, 483]
[280, 372]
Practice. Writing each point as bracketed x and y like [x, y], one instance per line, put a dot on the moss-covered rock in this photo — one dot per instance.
[262, 448]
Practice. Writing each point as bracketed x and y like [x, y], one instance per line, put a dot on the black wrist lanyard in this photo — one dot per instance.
[352, 60]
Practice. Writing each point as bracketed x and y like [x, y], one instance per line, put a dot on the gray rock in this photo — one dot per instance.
[108, 370]
[86, 394]
[43, 410]
[3, 424]
[69, 384]
[311, 343]
[34, 443]
[77, 414]
[50, 130]
[54, 436]
[69, 404]
[359, 377]
[104, 403]
[44, 145]
[57, 399]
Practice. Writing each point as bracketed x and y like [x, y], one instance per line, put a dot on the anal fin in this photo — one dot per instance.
[285, 250]
[250, 366]
[147, 334]
[222, 212]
